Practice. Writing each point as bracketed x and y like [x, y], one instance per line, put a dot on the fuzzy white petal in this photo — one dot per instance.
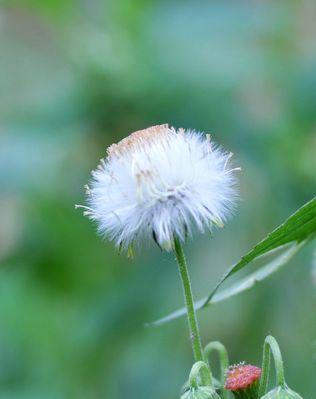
[161, 183]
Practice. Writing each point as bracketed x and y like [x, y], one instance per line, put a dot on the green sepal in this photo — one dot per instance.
[129, 250]
[200, 393]
[248, 393]
[217, 385]
[281, 393]
[195, 388]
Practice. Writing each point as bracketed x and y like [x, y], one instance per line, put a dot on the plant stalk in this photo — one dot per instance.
[271, 346]
[223, 360]
[191, 314]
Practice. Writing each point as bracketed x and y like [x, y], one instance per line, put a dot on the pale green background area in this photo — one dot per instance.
[76, 76]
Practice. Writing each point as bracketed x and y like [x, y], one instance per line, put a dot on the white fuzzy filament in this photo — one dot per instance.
[161, 183]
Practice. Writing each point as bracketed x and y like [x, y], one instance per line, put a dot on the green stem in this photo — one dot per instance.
[196, 371]
[263, 387]
[223, 359]
[206, 376]
[186, 284]
[271, 345]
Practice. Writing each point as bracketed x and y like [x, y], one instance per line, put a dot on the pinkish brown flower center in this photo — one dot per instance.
[139, 139]
[241, 377]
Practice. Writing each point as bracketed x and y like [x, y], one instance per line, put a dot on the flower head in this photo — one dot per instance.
[242, 379]
[160, 182]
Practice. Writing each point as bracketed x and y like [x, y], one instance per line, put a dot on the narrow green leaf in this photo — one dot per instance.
[297, 228]
[241, 285]
[289, 236]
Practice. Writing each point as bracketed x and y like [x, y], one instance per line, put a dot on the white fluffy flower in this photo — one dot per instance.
[160, 183]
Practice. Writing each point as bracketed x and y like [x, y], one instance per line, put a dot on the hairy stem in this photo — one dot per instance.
[223, 359]
[191, 314]
[200, 368]
[271, 346]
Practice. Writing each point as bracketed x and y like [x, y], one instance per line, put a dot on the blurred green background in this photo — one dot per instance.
[78, 75]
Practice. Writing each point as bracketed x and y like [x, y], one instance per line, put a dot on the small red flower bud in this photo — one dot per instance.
[242, 378]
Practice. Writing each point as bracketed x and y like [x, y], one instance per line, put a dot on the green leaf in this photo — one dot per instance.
[290, 236]
[297, 228]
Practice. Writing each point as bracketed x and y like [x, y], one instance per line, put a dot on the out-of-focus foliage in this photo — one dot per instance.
[78, 75]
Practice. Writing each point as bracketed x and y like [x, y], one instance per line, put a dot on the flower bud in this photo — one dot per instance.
[243, 380]
[281, 393]
[201, 392]
[200, 383]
